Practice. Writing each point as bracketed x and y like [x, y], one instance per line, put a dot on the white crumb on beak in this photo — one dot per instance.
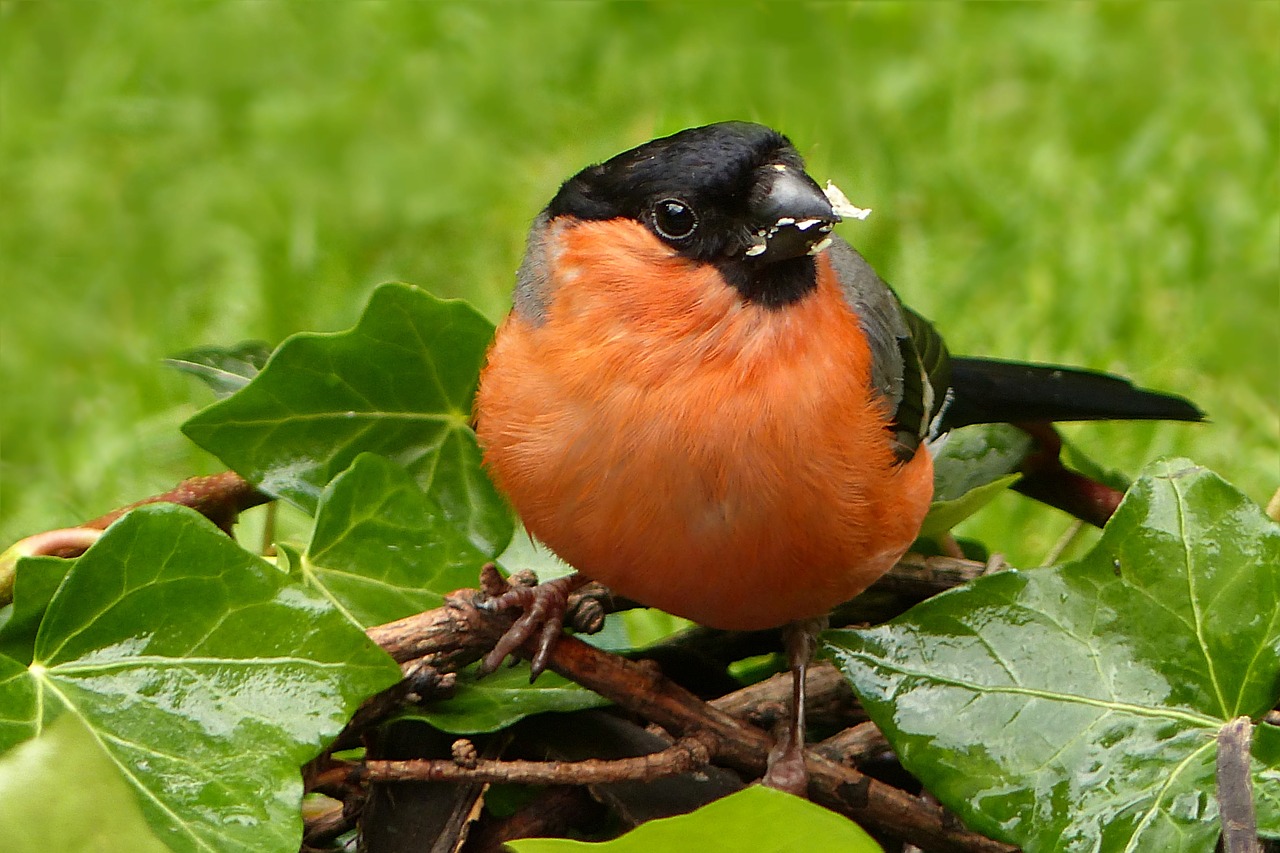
[806, 224]
[842, 206]
[756, 249]
[819, 246]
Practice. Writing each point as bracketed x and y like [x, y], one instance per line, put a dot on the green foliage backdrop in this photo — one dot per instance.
[1093, 184]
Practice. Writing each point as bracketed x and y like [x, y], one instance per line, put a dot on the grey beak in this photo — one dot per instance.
[789, 212]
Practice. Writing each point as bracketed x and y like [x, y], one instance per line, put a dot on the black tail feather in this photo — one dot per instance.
[993, 391]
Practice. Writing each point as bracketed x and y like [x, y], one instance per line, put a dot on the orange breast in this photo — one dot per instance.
[697, 453]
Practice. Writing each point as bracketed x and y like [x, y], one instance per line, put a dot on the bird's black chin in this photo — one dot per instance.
[775, 284]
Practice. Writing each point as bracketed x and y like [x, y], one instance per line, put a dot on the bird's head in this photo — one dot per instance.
[732, 194]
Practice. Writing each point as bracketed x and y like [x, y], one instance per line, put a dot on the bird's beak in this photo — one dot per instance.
[790, 215]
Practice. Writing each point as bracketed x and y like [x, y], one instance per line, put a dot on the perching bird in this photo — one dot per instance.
[711, 404]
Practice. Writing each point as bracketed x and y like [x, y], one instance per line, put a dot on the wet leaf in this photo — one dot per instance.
[399, 384]
[206, 675]
[382, 549]
[754, 818]
[498, 700]
[60, 792]
[224, 369]
[1076, 707]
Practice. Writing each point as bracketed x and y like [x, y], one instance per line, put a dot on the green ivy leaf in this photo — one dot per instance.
[205, 674]
[224, 369]
[1078, 706]
[973, 466]
[61, 792]
[36, 581]
[754, 818]
[381, 548]
[19, 710]
[973, 456]
[399, 384]
[500, 699]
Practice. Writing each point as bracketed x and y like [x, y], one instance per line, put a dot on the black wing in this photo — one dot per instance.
[994, 391]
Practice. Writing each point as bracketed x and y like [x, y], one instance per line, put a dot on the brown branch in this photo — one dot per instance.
[219, 498]
[921, 576]
[685, 755]
[68, 542]
[855, 744]
[459, 632]
[331, 777]
[451, 636]
[1235, 790]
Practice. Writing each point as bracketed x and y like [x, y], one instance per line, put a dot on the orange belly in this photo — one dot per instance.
[710, 457]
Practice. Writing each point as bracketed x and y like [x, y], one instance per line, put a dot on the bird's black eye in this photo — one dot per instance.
[673, 219]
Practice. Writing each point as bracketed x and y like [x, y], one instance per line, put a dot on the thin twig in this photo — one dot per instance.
[921, 577]
[685, 755]
[1065, 541]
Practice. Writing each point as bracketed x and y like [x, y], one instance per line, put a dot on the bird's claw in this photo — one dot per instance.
[542, 621]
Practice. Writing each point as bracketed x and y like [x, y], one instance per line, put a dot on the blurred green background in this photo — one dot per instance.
[1089, 184]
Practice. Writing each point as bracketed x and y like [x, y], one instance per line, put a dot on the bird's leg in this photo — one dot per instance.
[544, 609]
[787, 770]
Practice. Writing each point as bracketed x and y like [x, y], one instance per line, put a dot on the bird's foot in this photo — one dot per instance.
[542, 620]
[787, 770]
